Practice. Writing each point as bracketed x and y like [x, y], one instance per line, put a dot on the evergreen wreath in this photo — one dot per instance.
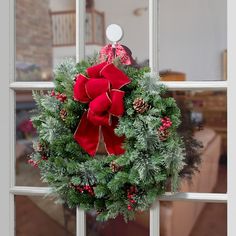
[131, 176]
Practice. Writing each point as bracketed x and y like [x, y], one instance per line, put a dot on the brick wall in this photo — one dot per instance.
[34, 34]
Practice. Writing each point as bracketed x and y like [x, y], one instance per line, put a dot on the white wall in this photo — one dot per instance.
[135, 28]
[192, 33]
[193, 37]
[62, 5]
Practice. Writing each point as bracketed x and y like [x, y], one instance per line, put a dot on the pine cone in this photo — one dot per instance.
[39, 147]
[63, 114]
[140, 106]
[115, 167]
[163, 135]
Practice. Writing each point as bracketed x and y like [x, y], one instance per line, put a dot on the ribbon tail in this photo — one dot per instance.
[87, 135]
[113, 143]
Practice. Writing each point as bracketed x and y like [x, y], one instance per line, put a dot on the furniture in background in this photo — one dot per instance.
[212, 105]
[173, 214]
[169, 75]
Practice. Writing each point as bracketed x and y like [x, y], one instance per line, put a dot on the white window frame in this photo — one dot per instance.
[7, 118]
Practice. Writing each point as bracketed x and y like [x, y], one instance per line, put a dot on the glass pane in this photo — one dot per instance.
[117, 227]
[42, 217]
[26, 175]
[204, 114]
[193, 219]
[45, 34]
[193, 39]
[132, 16]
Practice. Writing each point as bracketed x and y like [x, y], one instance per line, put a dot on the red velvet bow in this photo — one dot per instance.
[109, 52]
[102, 91]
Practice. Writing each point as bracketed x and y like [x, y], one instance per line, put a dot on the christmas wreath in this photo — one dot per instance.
[107, 137]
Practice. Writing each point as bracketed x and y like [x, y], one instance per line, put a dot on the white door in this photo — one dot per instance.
[12, 88]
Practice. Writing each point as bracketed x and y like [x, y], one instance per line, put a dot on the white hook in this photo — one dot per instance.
[114, 33]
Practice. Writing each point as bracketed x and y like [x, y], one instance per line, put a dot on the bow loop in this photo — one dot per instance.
[117, 77]
[96, 87]
[105, 98]
[94, 71]
[99, 108]
[80, 93]
[117, 105]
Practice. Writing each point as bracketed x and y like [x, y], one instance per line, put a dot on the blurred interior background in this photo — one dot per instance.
[192, 47]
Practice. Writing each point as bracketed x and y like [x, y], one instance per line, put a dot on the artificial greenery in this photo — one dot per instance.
[93, 183]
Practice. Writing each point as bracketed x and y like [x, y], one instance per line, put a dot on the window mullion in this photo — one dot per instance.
[231, 124]
[154, 223]
[154, 228]
[168, 196]
[172, 85]
[80, 29]
[80, 54]
[80, 222]
[154, 36]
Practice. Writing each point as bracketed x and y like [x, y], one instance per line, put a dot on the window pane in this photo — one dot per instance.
[199, 116]
[117, 227]
[204, 114]
[193, 39]
[132, 16]
[42, 217]
[26, 175]
[45, 34]
[193, 219]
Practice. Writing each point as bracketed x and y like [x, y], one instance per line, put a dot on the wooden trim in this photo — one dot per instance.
[62, 12]
[104, 36]
[93, 25]
[225, 64]
[58, 42]
[64, 45]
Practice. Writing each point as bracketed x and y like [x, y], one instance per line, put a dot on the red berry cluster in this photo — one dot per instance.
[33, 163]
[59, 96]
[131, 193]
[86, 188]
[36, 163]
[166, 123]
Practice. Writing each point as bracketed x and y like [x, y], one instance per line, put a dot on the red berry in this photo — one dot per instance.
[30, 161]
[44, 158]
[53, 93]
[129, 207]
[35, 164]
[132, 201]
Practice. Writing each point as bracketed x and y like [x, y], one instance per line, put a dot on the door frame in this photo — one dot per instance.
[7, 118]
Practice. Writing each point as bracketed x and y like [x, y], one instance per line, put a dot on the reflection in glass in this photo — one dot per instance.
[193, 219]
[177, 218]
[26, 175]
[42, 217]
[208, 124]
[117, 227]
[193, 38]
[45, 35]
[132, 16]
